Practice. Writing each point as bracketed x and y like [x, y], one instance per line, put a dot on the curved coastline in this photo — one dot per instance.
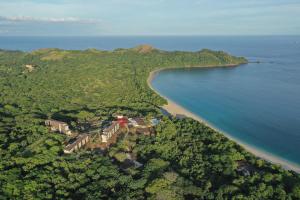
[174, 109]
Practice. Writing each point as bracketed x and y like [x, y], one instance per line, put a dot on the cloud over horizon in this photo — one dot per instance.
[26, 25]
[143, 17]
[50, 20]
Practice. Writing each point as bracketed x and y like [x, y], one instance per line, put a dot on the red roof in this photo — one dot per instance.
[122, 121]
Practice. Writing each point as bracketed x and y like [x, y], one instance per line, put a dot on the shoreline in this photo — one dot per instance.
[175, 109]
[153, 73]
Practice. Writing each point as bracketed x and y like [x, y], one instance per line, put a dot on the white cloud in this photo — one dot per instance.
[28, 25]
[49, 20]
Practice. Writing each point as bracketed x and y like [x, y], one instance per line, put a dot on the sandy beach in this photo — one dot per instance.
[176, 110]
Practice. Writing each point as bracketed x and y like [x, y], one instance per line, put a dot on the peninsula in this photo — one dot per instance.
[57, 107]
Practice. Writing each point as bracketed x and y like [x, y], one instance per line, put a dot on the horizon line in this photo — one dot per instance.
[253, 35]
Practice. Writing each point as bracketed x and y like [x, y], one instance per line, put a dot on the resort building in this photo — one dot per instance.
[143, 131]
[245, 168]
[80, 141]
[59, 126]
[137, 122]
[154, 122]
[30, 68]
[122, 120]
[110, 131]
[130, 162]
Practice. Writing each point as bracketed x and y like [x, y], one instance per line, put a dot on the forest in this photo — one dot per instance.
[185, 159]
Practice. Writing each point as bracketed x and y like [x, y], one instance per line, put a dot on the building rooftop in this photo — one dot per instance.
[112, 126]
[145, 131]
[140, 121]
[73, 143]
[56, 122]
[245, 167]
[154, 122]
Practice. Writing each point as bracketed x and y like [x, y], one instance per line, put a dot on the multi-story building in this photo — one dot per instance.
[110, 131]
[80, 141]
[137, 122]
[59, 126]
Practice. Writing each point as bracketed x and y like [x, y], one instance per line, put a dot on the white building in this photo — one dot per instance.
[137, 122]
[61, 127]
[110, 131]
[77, 144]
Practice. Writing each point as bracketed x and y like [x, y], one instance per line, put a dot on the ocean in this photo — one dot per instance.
[256, 103]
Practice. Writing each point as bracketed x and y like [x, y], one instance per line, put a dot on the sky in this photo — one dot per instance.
[149, 17]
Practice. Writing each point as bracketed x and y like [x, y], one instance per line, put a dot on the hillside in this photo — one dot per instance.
[184, 160]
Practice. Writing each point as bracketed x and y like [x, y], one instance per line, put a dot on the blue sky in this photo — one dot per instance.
[149, 17]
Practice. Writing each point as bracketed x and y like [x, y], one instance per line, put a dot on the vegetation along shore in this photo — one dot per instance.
[86, 93]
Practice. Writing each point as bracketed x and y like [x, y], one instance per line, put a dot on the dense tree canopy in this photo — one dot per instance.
[184, 160]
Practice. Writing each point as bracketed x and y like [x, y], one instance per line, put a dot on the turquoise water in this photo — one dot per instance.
[258, 104]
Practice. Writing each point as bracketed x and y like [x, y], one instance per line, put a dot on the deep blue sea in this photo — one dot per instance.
[258, 104]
